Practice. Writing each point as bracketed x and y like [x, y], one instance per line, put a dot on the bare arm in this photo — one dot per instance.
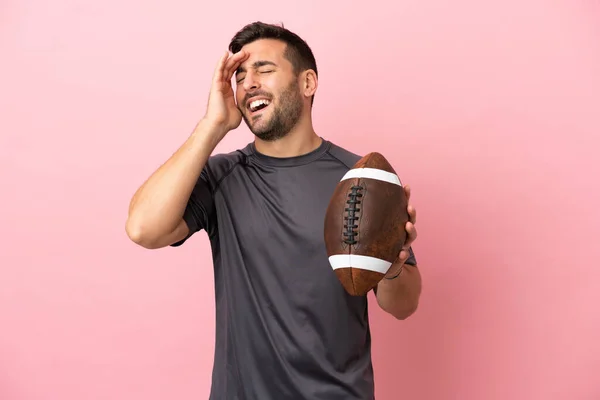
[156, 210]
[400, 296]
[399, 291]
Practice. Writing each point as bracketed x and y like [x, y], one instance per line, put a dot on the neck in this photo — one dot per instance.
[301, 140]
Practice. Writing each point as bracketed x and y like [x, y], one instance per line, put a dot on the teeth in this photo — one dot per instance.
[257, 103]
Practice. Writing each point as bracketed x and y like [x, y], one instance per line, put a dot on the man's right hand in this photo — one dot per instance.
[222, 110]
[157, 208]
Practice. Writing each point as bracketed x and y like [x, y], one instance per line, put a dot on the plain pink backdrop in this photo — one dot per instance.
[490, 110]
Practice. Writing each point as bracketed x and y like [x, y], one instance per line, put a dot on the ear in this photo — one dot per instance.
[309, 83]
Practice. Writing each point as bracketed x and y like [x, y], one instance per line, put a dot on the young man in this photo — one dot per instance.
[285, 327]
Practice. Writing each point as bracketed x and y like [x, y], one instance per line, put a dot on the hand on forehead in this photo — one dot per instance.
[264, 52]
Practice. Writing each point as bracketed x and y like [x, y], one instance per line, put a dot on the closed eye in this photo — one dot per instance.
[260, 72]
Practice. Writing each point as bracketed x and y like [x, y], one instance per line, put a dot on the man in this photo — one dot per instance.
[285, 327]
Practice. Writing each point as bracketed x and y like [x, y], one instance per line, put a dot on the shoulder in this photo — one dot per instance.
[342, 155]
[220, 165]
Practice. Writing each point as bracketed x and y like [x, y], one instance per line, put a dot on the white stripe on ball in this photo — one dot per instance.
[372, 173]
[361, 262]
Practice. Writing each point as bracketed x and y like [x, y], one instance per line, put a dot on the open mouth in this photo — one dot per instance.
[258, 105]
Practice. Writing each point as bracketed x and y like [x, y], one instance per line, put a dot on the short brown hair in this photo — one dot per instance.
[297, 50]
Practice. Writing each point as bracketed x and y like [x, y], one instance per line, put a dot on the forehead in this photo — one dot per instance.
[261, 50]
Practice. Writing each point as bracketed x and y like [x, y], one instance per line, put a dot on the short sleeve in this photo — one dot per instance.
[199, 211]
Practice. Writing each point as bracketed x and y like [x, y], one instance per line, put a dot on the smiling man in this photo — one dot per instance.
[285, 327]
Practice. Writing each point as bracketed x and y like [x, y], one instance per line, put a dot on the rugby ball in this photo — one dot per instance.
[365, 224]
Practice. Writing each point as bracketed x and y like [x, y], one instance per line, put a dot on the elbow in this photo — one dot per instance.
[139, 235]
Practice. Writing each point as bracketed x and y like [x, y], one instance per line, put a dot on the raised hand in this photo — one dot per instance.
[222, 110]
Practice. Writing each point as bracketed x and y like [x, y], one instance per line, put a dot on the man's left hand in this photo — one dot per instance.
[411, 235]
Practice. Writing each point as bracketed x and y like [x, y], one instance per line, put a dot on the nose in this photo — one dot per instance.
[251, 82]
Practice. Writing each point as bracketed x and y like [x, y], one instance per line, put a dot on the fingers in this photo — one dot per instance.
[411, 210]
[218, 74]
[412, 213]
[404, 254]
[229, 64]
[411, 231]
[402, 257]
[411, 235]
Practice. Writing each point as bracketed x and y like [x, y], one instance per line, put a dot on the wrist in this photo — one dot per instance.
[210, 131]
[394, 272]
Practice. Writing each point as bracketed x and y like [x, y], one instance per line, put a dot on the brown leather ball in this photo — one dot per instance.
[365, 224]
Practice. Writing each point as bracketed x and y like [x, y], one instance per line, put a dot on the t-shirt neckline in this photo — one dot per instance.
[289, 161]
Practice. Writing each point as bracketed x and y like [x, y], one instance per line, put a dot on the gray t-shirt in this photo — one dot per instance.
[285, 327]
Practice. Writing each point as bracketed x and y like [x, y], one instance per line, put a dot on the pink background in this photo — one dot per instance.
[490, 110]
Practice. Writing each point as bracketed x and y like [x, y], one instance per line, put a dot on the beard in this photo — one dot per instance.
[284, 116]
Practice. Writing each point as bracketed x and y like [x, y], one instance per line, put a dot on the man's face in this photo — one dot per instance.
[268, 92]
